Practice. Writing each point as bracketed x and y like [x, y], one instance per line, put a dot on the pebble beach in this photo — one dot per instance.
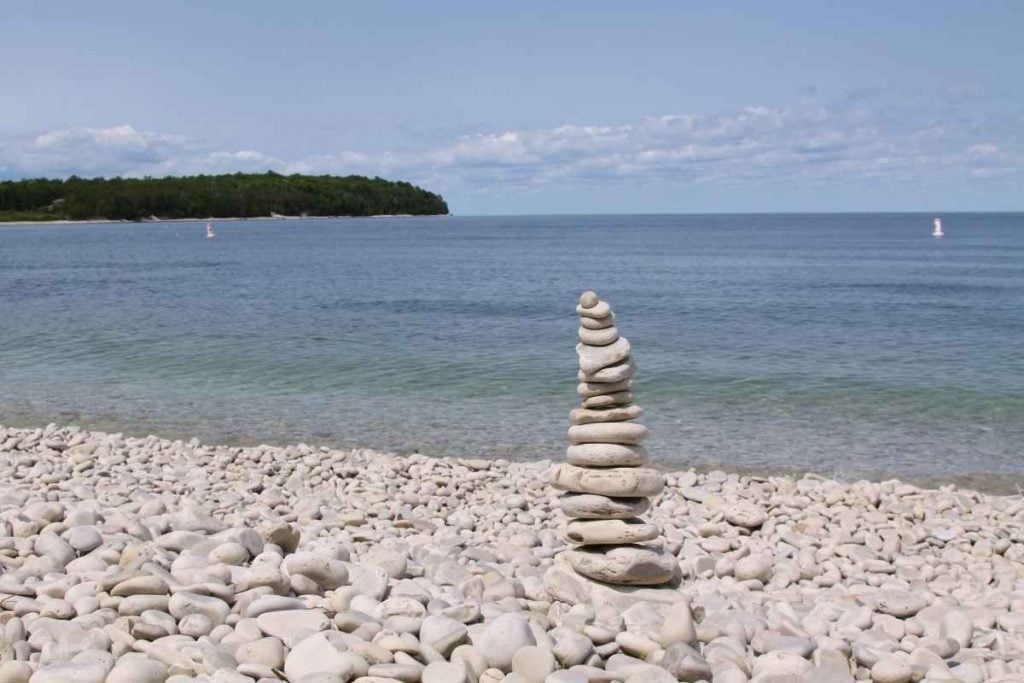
[142, 559]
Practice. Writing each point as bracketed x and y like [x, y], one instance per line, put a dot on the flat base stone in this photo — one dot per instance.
[626, 565]
[563, 583]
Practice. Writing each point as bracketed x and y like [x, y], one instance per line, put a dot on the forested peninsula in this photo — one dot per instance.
[241, 195]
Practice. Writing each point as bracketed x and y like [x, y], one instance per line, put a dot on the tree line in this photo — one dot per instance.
[244, 195]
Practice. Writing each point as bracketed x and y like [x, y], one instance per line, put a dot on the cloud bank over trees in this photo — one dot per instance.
[807, 143]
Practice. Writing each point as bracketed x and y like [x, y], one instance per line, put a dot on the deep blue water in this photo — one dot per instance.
[844, 344]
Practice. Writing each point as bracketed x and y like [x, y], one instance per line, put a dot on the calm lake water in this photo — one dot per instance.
[854, 345]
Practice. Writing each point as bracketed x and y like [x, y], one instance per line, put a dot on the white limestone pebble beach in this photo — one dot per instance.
[137, 560]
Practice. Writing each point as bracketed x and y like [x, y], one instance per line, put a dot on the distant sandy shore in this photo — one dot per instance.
[219, 219]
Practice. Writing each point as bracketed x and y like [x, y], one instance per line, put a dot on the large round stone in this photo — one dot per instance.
[629, 433]
[606, 455]
[631, 565]
[500, 639]
[581, 416]
[594, 358]
[610, 531]
[590, 506]
[615, 482]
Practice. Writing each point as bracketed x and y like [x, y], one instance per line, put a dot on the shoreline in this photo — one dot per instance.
[208, 219]
[143, 558]
[981, 482]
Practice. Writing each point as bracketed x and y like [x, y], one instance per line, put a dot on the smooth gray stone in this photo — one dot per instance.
[565, 584]
[533, 664]
[140, 585]
[589, 299]
[185, 603]
[614, 482]
[685, 663]
[599, 310]
[291, 626]
[900, 603]
[500, 639]
[444, 672]
[610, 531]
[594, 358]
[580, 416]
[629, 433]
[597, 323]
[606, 455]
[135, 667]
[612, 373]
[588, 389]
[314, 655]
[631, 565]
[442, 633]
[326, 572]
[618, 399]
[601, 337]
[589, 506]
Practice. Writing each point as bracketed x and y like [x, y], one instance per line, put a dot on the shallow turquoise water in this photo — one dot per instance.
[845, 344]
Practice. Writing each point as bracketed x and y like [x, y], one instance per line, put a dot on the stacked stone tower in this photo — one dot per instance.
[605, 479]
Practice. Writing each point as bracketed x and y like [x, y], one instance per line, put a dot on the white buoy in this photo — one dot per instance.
[210, 234]
[937, 231]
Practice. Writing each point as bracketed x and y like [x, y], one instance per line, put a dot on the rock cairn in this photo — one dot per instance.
[605, 479]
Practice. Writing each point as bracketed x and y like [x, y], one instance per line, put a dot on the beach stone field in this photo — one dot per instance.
[139, 560]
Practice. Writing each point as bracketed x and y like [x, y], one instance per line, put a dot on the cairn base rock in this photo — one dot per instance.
[566, 585]
[629, 565]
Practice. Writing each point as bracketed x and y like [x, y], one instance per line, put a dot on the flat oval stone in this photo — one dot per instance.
[745, 515]
[630, 565]
[597, 323]
[594, 358]
[900, 603]
[591, 506]
[616, 482]
[599, 310]
[588, 389]
[606, 455]
[610, 531]
[579, 416]
[326, 572]
[629, 433]
[619, 398]
[601, 337]
[140, 585]
[612, 373]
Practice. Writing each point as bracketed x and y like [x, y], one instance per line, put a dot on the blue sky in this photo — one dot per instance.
[535, 107]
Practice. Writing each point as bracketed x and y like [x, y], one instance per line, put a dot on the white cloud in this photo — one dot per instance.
[89, 151]
[807, 143]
